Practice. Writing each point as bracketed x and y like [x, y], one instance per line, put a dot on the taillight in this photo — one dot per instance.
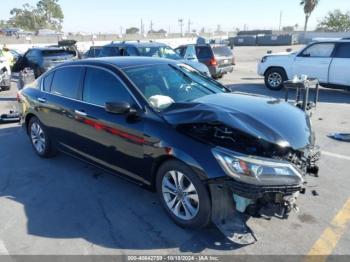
[213, 62]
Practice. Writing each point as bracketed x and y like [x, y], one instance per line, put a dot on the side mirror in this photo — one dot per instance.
[119, 108]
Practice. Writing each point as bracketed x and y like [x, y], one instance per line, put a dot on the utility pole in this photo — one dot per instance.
[181, 23]
[281, 14]
[189, 26]
[142, 29]
[151, 26]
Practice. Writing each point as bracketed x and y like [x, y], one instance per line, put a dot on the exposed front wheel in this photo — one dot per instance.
[183, 195]
[274, 78]
[39, 138]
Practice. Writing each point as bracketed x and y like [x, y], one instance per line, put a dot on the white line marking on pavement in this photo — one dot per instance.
[335, 155]
[3, 249]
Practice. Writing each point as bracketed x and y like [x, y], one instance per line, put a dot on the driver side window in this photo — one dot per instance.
[319, 50]
[101, 86]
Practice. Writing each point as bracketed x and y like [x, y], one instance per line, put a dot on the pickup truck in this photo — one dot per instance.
[328, 61]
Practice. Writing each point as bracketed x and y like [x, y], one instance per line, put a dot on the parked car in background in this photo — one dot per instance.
[5, 72]
[217, 57]
[328, 61]
[160, 123]
[149, 49]
[93, 52]
[42, 59]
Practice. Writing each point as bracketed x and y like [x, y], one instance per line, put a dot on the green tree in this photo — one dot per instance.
[26, 18]
[4, 24]
[309, 6]
[52, 13]
[46, 14]
[335, 21]
[132, 30]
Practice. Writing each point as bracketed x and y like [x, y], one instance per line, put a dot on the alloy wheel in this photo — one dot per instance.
[180, 195]
[38, 137]
[275, 79]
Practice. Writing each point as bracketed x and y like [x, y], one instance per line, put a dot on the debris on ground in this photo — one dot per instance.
[345, 137]
[10, 117]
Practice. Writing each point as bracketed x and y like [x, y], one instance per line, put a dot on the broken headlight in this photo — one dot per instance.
[257, 170]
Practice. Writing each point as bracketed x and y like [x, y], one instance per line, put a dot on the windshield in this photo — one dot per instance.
[163, 85]
[109, 51]
[222, 51]
[159, 51]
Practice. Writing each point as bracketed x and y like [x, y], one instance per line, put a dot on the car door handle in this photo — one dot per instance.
[80, 113]
[41, 100]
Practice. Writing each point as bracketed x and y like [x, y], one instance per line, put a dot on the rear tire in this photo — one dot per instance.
[39, 138]
[186, 200]
[274, 78]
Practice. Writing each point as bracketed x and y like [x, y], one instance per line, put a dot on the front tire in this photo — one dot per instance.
[39, 138]
[274, 78]
[183, 195]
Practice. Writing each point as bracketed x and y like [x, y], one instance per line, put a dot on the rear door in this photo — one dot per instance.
[114, 141]
[223, 55]
[314, 61]
[57, 101]
[339, 69]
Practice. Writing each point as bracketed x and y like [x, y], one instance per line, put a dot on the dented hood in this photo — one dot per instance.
[266, 118]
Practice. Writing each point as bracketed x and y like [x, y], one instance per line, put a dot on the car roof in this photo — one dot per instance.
[122, 62]
[137, 44]
[331, 40]
[47, 48]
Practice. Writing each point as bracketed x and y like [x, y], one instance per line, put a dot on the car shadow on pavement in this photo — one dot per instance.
[326, 95]
[64, 198]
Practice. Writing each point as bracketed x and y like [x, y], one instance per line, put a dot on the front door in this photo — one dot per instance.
[314, 61]
[112, 140]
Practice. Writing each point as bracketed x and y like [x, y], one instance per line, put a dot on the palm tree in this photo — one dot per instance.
[309, 7]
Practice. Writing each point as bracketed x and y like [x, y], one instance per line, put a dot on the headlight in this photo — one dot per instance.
[256, 170]
[264, 59]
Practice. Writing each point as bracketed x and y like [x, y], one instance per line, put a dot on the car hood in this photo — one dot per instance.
[266, 118]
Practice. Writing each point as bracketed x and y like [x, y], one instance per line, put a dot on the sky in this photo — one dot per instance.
[110, 16]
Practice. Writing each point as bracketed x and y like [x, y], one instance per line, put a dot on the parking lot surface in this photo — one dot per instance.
[64, 206]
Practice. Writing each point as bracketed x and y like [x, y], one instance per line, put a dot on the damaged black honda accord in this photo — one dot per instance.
[162, 124]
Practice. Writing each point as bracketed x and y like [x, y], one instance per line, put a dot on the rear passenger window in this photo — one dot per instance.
[203, 52]
[101, 86]
[47, 82]
[66, 81]
[343, 51]
[109, 51]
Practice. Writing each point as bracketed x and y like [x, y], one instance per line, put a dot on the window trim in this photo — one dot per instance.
[80, 90]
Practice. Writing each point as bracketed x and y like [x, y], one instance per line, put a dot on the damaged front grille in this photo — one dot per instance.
[221, 135]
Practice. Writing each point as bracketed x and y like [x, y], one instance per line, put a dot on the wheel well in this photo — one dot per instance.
[156, 165]
[27, 120]
[277, 67]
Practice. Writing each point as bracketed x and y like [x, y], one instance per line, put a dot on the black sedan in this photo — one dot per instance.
[162, 124]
